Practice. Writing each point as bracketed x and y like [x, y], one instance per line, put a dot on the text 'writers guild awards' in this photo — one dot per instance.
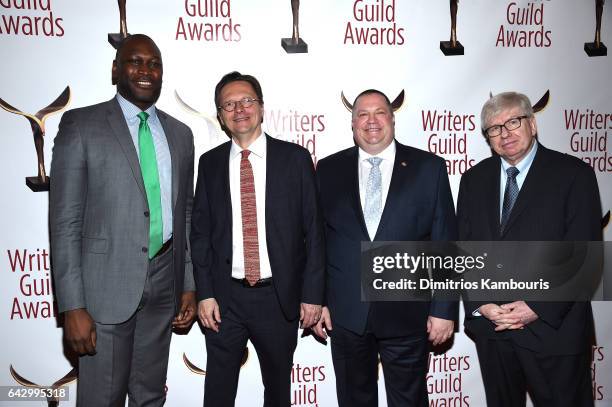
[295, 45]
[115, 38]
[597, 48]
[37, 121]
[452, 47]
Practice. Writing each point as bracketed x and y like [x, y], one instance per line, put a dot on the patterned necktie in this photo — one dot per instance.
[510, 196]
[150, 176]
[249, 220]
[373, 199]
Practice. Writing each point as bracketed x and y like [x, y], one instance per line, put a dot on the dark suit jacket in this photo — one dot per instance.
[293, 226]
[419, 206]
[98, 212]
[559, 201]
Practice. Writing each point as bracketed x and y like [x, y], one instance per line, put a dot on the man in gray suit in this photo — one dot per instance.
[120, 210]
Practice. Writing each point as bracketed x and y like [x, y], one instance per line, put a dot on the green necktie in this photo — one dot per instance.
[150, 175]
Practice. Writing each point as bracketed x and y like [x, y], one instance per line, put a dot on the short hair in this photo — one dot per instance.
[236, 76]
[504, 101]
[129, 38]
[372, 92]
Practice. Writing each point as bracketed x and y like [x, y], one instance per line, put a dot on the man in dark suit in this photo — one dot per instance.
[120, 208]
[380, 190]
[258, 250]
[526, 192]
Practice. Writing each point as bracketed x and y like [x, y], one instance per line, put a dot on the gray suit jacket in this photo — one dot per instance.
[98, 212]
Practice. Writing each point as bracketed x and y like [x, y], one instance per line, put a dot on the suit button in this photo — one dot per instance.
[227, 261]
[146, 214]
[144, 250]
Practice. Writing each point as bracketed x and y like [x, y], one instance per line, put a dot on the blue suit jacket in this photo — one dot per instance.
[419, 206]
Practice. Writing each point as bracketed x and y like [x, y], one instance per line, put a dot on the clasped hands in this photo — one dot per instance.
[514, 315]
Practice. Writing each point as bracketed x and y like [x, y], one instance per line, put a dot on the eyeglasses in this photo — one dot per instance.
[230, 105]
[510, 125]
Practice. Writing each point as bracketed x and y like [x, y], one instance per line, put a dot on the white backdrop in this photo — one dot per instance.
[47, 45]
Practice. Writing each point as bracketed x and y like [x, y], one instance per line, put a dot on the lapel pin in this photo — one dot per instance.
[404, 163]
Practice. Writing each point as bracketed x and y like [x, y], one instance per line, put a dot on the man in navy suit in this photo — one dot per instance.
[526, 192]
[380, 190]
[258, 250]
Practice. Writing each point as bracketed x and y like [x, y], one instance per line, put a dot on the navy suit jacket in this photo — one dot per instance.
[559, 201]
[419, 206]
[293, 225]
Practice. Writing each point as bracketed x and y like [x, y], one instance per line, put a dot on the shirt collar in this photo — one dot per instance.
[257, 147]
[525, 162]
[387, 154]
[130, 110]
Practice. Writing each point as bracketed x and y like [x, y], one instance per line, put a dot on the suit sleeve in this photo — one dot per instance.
[67, 198]
[189, 283]
[582, 223]
[444, 228]
[201, 238]
[313, 284]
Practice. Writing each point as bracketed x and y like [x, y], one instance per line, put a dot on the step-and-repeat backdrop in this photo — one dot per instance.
[57, 51]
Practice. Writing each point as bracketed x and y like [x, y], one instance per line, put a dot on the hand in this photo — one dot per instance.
[518, 314]
[310, 314]
[499, 316]
[187, 312]
[439, 330]
[324, 324]
[80, 331]
[208, 312]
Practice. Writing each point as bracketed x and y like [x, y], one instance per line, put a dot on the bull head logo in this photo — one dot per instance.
[37, 122]
[51, 401]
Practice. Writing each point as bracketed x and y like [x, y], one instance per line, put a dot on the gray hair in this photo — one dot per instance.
[504, 101]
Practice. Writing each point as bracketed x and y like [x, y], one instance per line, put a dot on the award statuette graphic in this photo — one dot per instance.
[52, 401]
[115, 38]
[452, 47]
[195, 369]
[395, 105]
[37, 121]
[539, 105]
[295, 45]
[597, 48]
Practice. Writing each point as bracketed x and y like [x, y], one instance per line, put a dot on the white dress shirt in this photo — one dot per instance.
[386, 170]
[257, 158]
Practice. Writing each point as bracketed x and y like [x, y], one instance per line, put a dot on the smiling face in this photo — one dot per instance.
[138, 70]
[373, 123]
[513, 145]
[243, 123]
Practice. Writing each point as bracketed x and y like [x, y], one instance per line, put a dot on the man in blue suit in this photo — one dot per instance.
[381, 190]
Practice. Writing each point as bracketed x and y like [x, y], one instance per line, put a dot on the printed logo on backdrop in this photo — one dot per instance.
[115, 38]
[306, 381]
[453, 46]
[30, 18]
[373, 22]
[524, 25]
[295, 44]
[600, 389]
[54, 391]
[446, 378]
[299, 127]
[587, 136]
[32, 287]
[207, 21]
[214, 134]
[597, 48]
[197, 370]
[37, 122]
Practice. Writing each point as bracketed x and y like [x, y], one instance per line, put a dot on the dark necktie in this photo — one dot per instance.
[510, 196]
[249, 220]
[150, 176]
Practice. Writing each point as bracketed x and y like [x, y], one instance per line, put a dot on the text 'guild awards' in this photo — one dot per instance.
[37, 122]
[597, 48]
[295, 45]
[115, 38]
[452, 47]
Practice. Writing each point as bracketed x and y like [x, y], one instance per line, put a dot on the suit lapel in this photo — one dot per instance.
[529, 190]
[121, 132]
[492, 199]
[355, 199]
[174, 154]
